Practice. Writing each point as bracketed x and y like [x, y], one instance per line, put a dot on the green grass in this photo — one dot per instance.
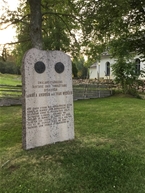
[106, 156]
[10, 79]
[10, 91]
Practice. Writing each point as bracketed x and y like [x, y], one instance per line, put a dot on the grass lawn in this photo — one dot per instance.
[10, 79]
[107, 155]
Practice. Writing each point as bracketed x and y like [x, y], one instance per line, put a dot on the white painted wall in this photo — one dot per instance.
[93, 71]
[99, 68]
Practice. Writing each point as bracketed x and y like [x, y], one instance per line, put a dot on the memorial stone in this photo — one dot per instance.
[47, 98]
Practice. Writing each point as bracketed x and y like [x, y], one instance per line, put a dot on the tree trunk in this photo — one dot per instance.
[36, 23]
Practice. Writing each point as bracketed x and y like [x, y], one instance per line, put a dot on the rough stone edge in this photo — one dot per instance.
[24, 102]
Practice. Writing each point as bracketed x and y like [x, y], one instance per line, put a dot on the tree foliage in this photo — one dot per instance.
[9, 67]
[45, 25]
[82, 70]
[105, 20]
[117, 27]
[126, 74]
[99, 21]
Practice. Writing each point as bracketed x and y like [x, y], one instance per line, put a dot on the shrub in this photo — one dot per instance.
[9, 68]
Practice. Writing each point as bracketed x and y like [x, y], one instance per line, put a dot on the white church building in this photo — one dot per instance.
[102, 68]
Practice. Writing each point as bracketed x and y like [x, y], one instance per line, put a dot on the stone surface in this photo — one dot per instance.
[47, 98]
[10, 101]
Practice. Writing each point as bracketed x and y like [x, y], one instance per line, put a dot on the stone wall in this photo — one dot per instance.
[108, 83]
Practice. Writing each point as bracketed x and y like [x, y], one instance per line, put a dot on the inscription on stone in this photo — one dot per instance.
[48, 115]
[47, 98]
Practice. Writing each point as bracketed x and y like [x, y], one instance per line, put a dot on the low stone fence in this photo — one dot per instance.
[88, 91]
[10, 101]
[10, 95]
[82, 89]
[109, 83]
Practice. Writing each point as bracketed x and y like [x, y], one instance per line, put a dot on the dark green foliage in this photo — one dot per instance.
[9, 68]
[58, 28]
[110, 19]
[97, 21]
[82, 71]
[125, 68]
[126, 75]
[74, 70]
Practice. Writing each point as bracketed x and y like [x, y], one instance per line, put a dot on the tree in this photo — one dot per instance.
[126, 75]
[45, 25]
[80, 64]
[74, 70]
[100, 21]
[105, 20]
[118, 28]
[36, 23]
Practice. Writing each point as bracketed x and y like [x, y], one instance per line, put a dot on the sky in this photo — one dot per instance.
[8, 34]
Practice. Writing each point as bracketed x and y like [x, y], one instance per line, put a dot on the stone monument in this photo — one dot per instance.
[47, 98]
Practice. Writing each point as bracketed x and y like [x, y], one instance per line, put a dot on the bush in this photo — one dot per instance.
[125, 75]
[9, 68]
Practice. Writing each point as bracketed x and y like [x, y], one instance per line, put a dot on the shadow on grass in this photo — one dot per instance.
[74, 167]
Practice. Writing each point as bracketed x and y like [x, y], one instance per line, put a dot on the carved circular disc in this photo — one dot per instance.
[39, 67]
[59, 67]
